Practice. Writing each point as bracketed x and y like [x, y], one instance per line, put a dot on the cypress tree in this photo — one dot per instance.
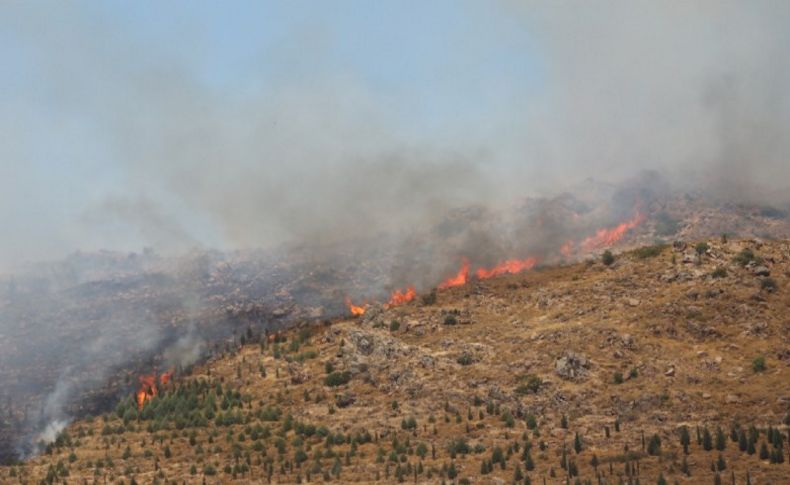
[743, 443]
[707, 440]
[763, 451]
[721, 440]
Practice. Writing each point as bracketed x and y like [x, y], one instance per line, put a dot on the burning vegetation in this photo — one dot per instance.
[149, 387]
[602, 238]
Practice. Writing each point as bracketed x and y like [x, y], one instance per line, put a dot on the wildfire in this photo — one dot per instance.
[607, 237]
[400, 297]
[602, 237]
[460, 278]
[148, 388]
[510, 266]
[354, 309]
[165, 377]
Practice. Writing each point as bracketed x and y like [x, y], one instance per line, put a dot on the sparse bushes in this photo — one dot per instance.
[719, 272]
[618, 378]
[649, 251]
[758, 364]
[465, 359]
[335, 378]
[745, 257]
[768, 284]
[531, 385]
[450, 320]
[394, 326]
[429, 298]
[701, 248]
[458, 446]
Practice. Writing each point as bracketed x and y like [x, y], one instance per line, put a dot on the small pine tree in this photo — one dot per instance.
[517, 474]
[763, 451]
[707, 440]
[721, 465]
[721, 440]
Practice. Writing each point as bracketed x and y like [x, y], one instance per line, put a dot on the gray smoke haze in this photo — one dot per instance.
[311, 152]
[110, 139]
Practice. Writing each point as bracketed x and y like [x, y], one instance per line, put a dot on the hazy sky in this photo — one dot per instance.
[238, 124]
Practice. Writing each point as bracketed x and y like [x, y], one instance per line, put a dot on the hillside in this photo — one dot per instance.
[586, 371]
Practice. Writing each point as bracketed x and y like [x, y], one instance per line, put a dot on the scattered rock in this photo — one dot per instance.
[670, 372]
[732, 399]
[632, 302]
[761, 271]
[571, 366]
[627, 341]
[345, 399]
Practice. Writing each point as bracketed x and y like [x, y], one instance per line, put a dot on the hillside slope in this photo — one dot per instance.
[587, 371]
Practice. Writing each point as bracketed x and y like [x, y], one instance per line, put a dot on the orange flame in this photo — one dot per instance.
[147, 389]
[354, 309]
[400, 297]
[165, 377]
[607, 237]
[510, 266]
[460, 278]
[141, 397]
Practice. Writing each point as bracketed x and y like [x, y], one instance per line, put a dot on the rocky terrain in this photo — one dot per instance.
[666, 363]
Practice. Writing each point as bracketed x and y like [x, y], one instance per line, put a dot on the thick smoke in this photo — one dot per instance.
[695, 89]
[311, 151]
[110, 141]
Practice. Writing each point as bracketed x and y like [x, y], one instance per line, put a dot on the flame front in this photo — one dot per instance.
[354, 309]
[400, 297]
[460, 278]
[602, 238]
[607, 237]
[510, 266]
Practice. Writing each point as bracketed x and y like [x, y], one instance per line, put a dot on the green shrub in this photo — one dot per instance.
[719, 272]
[768, 284]
[649, 251]
[429, 298]
[335, 379]
[530, 386]
[450, 320]
[745, 257]
[465, 359]
[394, 326]
[607, 258]
[701, 248]
[758, 364]
[618, 377]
